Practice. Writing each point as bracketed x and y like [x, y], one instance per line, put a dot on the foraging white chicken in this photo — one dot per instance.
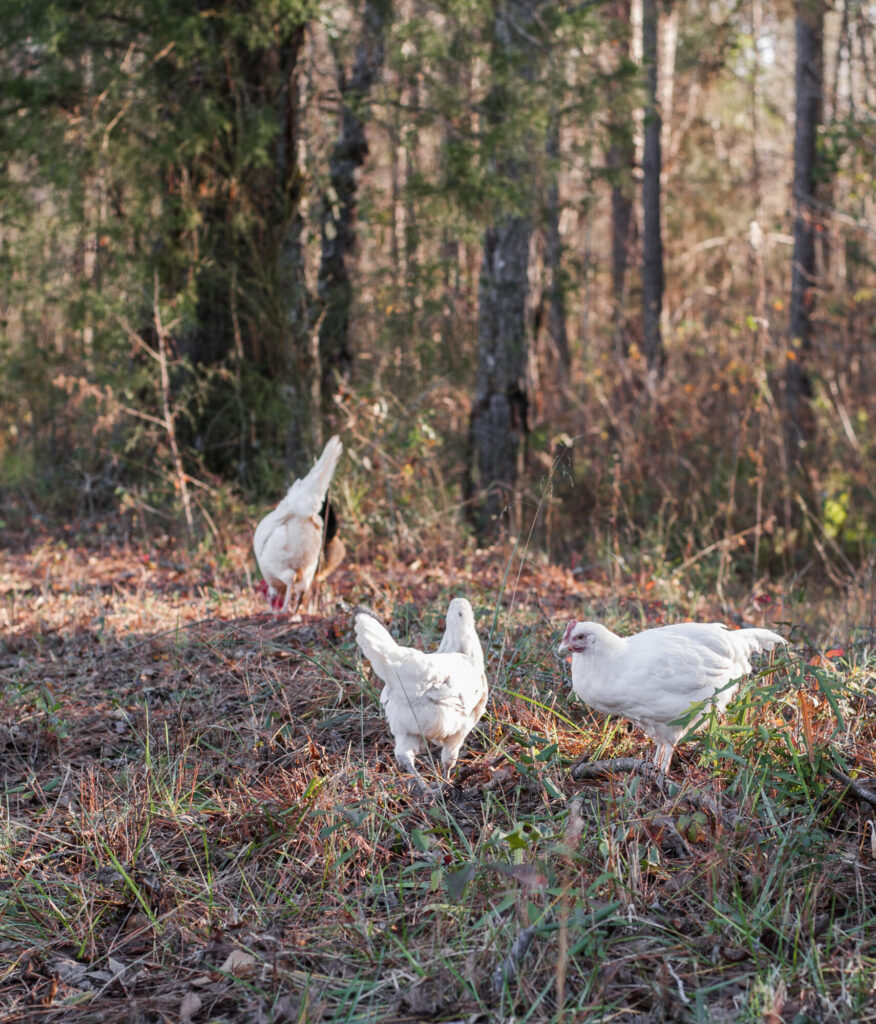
[289, 539]
[654, 677]
[437, 698]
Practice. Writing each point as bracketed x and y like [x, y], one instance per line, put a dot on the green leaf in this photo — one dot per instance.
[547, 753]
[551, 789]
[420, 840]
[456, 881]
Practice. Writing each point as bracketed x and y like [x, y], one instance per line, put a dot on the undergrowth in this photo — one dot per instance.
[203, 820]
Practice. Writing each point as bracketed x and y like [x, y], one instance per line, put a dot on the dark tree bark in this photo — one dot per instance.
[809, 32]
[245, 248]
[553, 257]
[652, 242]
[500, 416]
[499, 422]
[338, 216]
[264, 254]
[621, 163]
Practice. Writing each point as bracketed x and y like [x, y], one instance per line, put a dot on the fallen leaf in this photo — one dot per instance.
[68, 971]
[191, 1003]
[240, 963]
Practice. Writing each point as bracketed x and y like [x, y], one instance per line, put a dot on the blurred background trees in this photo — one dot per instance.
[606, 271]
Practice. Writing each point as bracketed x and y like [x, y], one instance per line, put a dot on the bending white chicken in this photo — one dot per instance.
[436, 697]
[288, 540]
[653, 677]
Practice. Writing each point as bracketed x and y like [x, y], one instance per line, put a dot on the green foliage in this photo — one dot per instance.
[156, 157]
[143, 144]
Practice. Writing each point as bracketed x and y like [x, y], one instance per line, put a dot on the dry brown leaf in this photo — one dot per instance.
[806, 718]
[240, 963]
[191, 1003]
[69, 971]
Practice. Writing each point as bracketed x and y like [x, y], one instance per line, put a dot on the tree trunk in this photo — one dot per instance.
[499, 422]
[500, 416]
[755, 231]
[553, 257]
[652, 242]
[621, 162]
[338, 216]
[809, 32]
[240, 226]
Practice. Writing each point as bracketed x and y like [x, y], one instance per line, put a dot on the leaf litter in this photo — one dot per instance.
[203, 818]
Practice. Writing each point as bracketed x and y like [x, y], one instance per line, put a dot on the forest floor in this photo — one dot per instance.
[203, 820]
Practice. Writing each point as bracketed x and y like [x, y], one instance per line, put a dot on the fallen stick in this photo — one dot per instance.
[854, 787]
[609, 765]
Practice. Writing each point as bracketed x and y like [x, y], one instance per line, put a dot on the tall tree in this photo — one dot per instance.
[621, 162]
[553, 257]
[499, 423]
[652, 241]
[230, 88]
[338, 215]
[808, 75]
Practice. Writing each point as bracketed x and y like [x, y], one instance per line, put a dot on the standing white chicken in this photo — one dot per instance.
[437, 697]
[653, 677]
[288, 540]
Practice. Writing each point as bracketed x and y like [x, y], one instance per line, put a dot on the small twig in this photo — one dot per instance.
[167, 421]
[169, 414]
[854, 787]
[507, 970]
[678, 982]
[723, 542]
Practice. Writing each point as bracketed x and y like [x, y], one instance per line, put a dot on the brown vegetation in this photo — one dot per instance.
[204, 820]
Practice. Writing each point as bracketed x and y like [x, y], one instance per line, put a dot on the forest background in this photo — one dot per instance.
[588, 292]
[602, 272]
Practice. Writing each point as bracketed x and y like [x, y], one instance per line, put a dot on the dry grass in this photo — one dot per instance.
[203, 820]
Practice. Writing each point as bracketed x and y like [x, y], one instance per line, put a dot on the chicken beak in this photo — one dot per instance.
[563, 648]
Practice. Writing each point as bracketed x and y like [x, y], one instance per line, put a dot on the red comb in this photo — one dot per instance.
[572, 624]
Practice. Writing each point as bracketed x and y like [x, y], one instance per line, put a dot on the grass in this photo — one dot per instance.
[203, 820]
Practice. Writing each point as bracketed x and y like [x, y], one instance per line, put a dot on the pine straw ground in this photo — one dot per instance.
[203, 820]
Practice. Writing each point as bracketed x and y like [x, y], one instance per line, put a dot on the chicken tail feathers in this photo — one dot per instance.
[305, 497]
[319, 478]
[375, 643]
[750, 641]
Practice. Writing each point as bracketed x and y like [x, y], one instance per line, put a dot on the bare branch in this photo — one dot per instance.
[854, 787]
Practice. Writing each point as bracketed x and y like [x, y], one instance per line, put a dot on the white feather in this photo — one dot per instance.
[288, 540]
[654, 678]
[438, 697]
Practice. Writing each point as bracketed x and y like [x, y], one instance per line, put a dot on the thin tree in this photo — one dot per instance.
[338, 214]
[621, 162]
[499, 423]
[553, 258]
[652, 241]
[808, 71]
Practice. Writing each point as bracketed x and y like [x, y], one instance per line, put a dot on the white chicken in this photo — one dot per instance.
[654, 677]
[437, 698]
[289, 539]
